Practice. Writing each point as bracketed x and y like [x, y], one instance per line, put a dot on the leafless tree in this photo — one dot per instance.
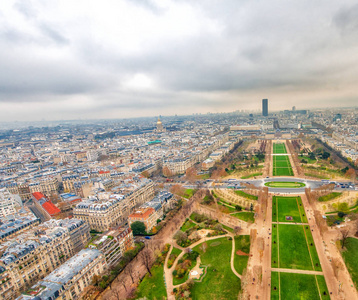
[129, 271]
[117, 294]
[237, 230]
[146, 257]
[344, 234]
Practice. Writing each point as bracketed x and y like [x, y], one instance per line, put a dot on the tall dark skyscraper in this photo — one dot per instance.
[265, 107]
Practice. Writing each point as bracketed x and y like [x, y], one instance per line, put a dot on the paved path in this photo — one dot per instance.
[289, 223]
[296, 271]
[232, 257]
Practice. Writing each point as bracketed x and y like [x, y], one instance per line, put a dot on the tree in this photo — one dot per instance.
[238, 207]
[191, 174]
[351, 173]
[138, 228]
[180, 237]
[167, 172]
[345, 234]
[146, 174]
[237, 230]
[129, 271]
[146, 257]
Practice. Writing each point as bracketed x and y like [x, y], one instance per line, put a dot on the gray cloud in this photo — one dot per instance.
[140, 58]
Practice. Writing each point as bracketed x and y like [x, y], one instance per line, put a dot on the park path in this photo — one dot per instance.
[168, 272]
[289, 223]
[281, 270]
[233, 256]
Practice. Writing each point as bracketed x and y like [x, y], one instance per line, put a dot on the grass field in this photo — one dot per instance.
[282, 166]
[242, 243]
[228, 228]
[283, 184]
[288, 206]
[297, 286]
[219, 282]
[187, 225]
[279, 148]
[153, 287]
[245, 216]
[189, 193]
[329, 197]
[246, 195]
[292, 246]
[350, 256]
[173, 255]
[251, 175]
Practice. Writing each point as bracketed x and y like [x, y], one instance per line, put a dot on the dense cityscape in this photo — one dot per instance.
[178, 150]
[89, 208]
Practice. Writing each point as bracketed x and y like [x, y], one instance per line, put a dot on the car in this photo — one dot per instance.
[147, 237]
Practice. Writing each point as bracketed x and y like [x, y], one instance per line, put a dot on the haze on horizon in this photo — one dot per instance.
[122, 59]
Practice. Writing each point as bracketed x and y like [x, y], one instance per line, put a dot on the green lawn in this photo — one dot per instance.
[316, 176]
[350, 256]
[242, 243]
[187, 225]
[229, 208]
[173, 255]
[279, 148]
[246, 216]
[292, 246]
[312, 248]
[275, 293]
[251, 175]
[153, 287]
[274, 252]
[278, 184]
[282, 166]
[219, 282]
[189, 193]
[329, 197]
[228, 228]
[288, 206]
[282, 172]
[299, 287]
[246, 195]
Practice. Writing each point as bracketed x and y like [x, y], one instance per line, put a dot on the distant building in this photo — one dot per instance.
[265, 107]
[160, 127]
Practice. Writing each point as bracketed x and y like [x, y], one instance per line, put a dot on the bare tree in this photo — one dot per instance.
[129, 271]
[117, 294]
[237, 230]
[345, 234]
[146, 257]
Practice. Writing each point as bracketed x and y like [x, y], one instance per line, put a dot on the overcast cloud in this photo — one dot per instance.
[120, 59]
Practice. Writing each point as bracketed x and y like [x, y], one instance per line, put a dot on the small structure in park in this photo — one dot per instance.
[289, 218]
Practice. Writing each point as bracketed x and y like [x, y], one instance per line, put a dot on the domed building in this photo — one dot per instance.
[160, 127]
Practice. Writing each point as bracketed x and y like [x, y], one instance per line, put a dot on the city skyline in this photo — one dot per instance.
[138, 59]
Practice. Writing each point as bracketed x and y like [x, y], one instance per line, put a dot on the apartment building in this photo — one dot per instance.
[113, 244]
[101, 215]
[69, 280]
[146, 215]
[8, 202]
[32, 255]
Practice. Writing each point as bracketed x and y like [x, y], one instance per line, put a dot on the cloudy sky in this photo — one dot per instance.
[120, 59]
